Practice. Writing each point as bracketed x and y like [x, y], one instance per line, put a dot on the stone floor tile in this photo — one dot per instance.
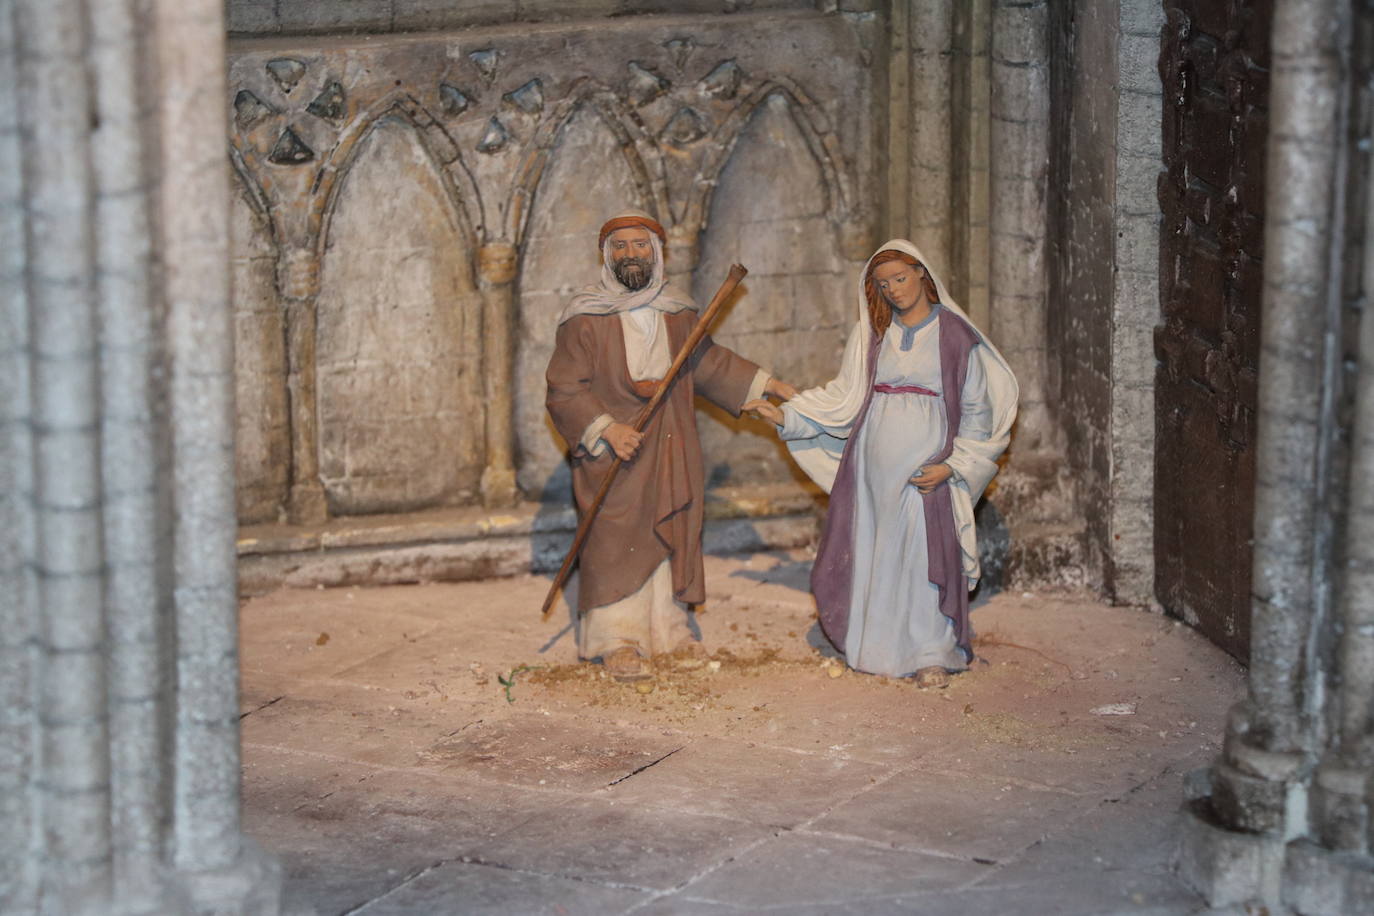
[735, 779]
[343, 726]
[1081, 892]
[480, 890]
[363, 838]
[797, 870]
[530, 749]
[635, 845]
[318, 633]
[964, 816]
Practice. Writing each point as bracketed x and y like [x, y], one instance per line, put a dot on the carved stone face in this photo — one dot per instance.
[900, 283]
[632, 256]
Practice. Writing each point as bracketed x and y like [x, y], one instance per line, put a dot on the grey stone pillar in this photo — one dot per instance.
[131, 456]
[1019, 143]
[19, 610]
[1235, 840]
[1129, 546]
[972, 88]
[1334, 872]
[1302, 205]
[298, 278]
[918, 193]
[930, 152]
[118, 662]
[496, 267]
[71, 779]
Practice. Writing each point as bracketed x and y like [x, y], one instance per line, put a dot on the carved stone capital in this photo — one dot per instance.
[496, 263]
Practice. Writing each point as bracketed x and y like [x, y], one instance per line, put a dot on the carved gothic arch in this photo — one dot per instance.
[459, 184]
[810, 120]
[636, 145]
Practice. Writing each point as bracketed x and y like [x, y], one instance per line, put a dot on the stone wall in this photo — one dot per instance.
[306, 17]
[1082, 226]
[379, 173]
[1104, 279]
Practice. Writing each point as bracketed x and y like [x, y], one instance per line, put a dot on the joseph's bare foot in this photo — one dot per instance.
[934, 676]
[625, 664]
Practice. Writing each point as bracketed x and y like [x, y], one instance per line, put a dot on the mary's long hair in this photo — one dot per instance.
[879, 310]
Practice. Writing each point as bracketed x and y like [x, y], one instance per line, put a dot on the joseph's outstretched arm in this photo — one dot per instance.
[725, 378]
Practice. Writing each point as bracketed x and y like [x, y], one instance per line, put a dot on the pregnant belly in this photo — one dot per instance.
[902, 432]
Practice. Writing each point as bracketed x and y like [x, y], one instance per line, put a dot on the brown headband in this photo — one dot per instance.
[631, 222]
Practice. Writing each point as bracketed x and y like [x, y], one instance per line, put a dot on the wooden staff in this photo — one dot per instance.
[641, 419]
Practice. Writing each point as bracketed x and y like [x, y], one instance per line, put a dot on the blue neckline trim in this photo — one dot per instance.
[909, 333]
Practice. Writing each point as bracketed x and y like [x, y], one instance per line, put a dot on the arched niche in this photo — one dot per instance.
[588, 180]
[398, 351]
[770, 212]
[263, 434]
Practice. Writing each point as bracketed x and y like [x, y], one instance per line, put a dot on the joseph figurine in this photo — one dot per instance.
[641, 565]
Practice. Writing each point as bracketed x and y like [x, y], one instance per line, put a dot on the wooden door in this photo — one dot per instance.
[1214, 63]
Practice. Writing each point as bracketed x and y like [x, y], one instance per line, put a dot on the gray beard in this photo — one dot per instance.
[634, 273]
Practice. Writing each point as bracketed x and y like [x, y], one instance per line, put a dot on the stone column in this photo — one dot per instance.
[71, 763]
[496, 268]
[1234, 845]
[117, 550]
[19, 610]
[1019, 141]
[1342, 793]
[1306, 122]
[971, 165]
[930, 151]
[1336, 872]
[1135, 303]
[132, 457]
[298, 278]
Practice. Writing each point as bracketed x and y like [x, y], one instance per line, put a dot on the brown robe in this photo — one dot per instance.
[654, 509]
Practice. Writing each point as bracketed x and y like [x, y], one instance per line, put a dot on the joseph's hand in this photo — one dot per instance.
[931, 476]
[623, 440]
[766, 409]
[780, 390]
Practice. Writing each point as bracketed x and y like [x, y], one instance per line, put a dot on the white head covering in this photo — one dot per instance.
[610, 296]
[836, 405]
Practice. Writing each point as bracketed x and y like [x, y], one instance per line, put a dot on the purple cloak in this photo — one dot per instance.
[832, 575]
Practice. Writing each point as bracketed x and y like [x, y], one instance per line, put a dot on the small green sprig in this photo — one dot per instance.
[509, 681]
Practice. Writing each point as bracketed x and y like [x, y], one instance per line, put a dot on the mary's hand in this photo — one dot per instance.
[931, 476]
[765, 409]
[780, 389]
